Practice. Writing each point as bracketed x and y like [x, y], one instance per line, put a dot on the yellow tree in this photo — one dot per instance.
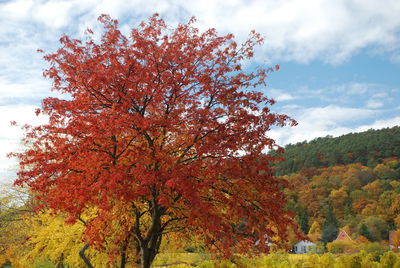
[338, 198]
[350, 178]
[315, 232]
[374, 189]
[395, 206]
[49, 237]
[397, 221]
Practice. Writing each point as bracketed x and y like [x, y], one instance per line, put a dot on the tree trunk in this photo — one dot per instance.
[149, 250]
[60, 261]
[123, 253]
[150, 243]
[83, 256]
[123, 260]
[146, 257]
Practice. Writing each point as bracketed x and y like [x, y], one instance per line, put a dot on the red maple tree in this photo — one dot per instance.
[160, 132]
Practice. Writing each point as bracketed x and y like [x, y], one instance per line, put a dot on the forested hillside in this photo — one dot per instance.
[363, 200]
[350, 182]
[367, 148]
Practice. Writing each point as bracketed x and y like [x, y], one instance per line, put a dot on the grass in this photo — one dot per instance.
[164, 259]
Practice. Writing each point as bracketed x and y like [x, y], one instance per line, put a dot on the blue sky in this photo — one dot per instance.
[340, 60]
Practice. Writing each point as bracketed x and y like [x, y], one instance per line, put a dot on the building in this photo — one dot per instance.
[304, 246]
[394, 241]
[343, 236]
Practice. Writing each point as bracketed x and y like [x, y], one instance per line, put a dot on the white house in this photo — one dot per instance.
[304, 246]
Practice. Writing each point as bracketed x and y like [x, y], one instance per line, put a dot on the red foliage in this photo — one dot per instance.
[165, 127]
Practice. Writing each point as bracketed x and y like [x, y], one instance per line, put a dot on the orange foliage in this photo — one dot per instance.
[395, 240]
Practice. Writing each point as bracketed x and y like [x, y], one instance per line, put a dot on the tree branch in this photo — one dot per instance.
[83, 256]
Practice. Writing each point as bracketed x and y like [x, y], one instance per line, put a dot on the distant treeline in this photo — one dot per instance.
[368, 148]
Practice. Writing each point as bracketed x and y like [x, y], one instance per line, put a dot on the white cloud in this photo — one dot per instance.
[319, 122]
[373, 104]
[371, 95]
[303, 31]
[291, 107]
[295, 30]
[279, 95]
[22, 114]
[284, 97]
[17, 9]
[378, 124]
[31, 90]
[357, 88]
[381, 94]
[10, 136]
[335, 114]
[53, 14]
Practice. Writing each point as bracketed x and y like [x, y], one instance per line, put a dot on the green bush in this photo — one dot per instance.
[375, 249]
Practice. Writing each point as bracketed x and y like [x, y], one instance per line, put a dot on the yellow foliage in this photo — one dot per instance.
[180, 258]
[361, 239]
[284, 260]
[50, 237]
[315, 232]
[397, 221]
[343, 246]
[47, 237]
[178, 242]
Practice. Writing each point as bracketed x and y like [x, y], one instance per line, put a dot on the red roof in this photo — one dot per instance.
[343, 236]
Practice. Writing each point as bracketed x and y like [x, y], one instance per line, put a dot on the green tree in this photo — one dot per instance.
[329, 233]
[364, 231]
[303, 222]
[378, 228]
[330, 229]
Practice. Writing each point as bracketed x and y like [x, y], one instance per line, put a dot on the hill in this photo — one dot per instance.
[368, 148]
[351, 182]
[364, 200]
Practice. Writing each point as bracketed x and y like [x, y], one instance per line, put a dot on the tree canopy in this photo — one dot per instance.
[161, 131]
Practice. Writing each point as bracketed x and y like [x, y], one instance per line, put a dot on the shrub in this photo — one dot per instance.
[319, 261]
[375, 249]
[340, 247]
[349, 261]
[390, 259]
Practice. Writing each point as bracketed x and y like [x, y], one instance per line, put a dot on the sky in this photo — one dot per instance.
[340, 60]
